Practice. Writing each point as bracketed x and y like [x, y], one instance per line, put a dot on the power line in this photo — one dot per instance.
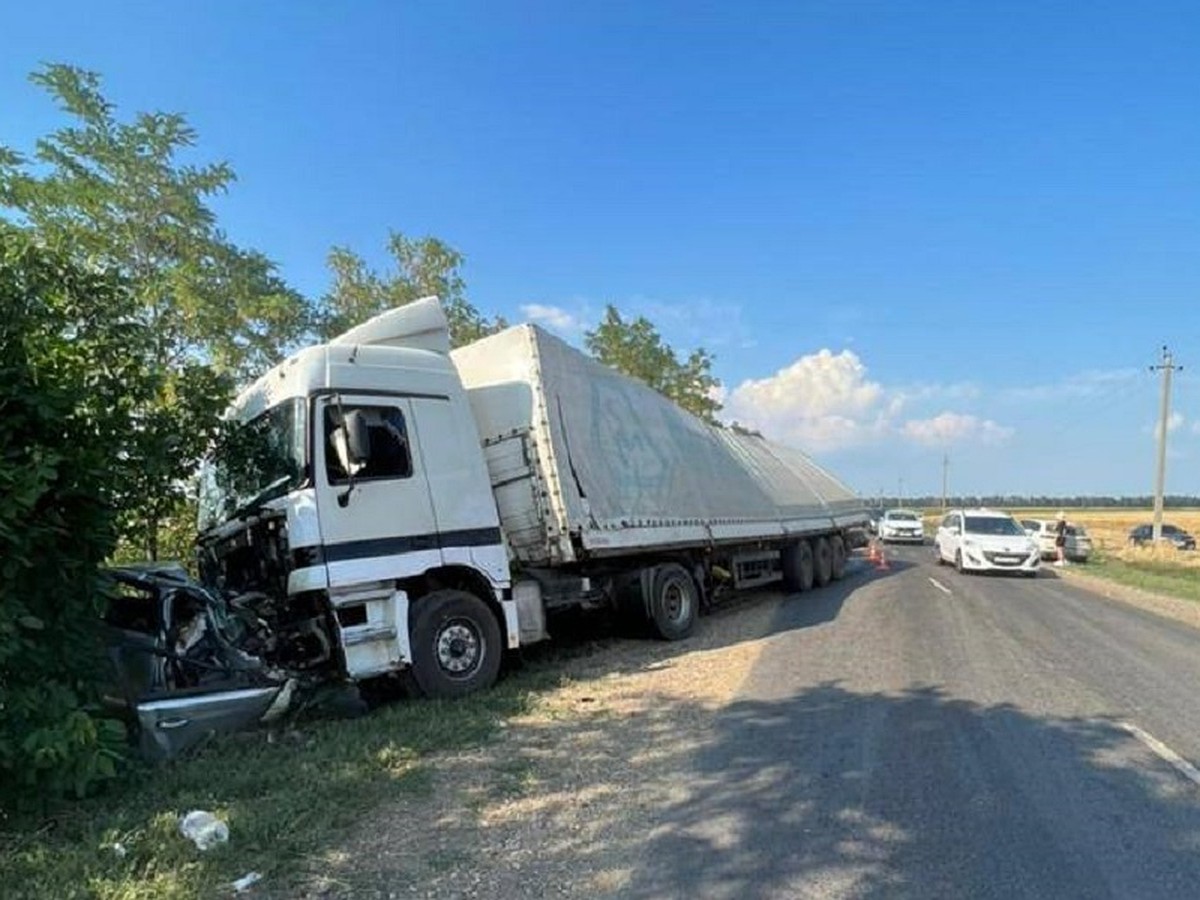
[1168, 368]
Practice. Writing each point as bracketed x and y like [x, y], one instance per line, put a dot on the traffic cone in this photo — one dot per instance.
[881, 563]
[873, 551]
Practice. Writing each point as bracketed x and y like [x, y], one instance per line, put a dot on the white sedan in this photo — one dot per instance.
[985, 540]
[901, 525]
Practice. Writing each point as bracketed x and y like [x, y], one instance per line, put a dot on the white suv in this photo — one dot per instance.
[985, 540]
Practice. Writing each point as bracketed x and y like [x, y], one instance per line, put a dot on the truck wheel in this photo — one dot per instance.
[456, 644]
[838, 547]
[796, 562]
[673, 602]
[822, 561]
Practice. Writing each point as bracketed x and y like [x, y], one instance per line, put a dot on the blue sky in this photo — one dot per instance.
[903, 228]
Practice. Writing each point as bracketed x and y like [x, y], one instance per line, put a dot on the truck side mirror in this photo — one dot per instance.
[358, 438]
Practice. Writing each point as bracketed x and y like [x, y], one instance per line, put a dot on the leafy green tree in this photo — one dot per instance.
[636, 348]
[70, 391]
[121, 195]
[423, 267]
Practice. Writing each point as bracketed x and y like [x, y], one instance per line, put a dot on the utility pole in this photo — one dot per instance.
[1168, 368]
[900, 492]
[945, 477]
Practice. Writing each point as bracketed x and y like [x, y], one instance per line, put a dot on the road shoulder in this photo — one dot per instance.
[1174, 608]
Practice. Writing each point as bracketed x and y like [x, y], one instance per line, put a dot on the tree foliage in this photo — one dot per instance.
[636, 348]
[119, 195]
[69, 394]
[424, 267]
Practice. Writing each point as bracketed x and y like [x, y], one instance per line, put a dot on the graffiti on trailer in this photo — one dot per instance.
[639, 466]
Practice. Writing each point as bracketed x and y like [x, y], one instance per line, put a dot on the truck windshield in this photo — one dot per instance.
[253, 462]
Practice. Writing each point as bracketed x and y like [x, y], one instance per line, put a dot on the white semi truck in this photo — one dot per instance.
[387, 506]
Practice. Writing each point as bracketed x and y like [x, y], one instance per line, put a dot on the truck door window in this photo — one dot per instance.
[389, 454]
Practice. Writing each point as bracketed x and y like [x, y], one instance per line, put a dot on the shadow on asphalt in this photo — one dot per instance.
[745, 616]
[917, 795]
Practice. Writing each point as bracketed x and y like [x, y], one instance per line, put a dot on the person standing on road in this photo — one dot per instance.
[1060, 539]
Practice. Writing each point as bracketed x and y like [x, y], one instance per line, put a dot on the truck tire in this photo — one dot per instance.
[838, 546]
[673, 602]
[822, 561]
[796, 564]
[456, 644]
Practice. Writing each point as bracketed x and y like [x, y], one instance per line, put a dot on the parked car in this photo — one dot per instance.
[901, 525]
[985, 540]
[873, 517]
[1171, 534]
[1078, 545]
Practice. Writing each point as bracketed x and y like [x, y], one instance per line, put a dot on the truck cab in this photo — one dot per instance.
[349, 504]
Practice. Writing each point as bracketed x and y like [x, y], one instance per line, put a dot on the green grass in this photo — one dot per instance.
[284, 800]
[1154, 576]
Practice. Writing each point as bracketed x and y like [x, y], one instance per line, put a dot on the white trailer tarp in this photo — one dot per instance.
[621, 467]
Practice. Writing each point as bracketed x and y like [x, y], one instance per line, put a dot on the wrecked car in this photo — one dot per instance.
[188, 662]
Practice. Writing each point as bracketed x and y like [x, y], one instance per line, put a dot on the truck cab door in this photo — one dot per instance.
[377, 520]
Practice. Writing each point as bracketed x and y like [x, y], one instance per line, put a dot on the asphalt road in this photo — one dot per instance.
[920, 733]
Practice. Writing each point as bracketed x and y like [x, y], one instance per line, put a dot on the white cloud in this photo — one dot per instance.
[553, 317]
[822, 401]
[1175, 421]
[954, 428]
[826, 401]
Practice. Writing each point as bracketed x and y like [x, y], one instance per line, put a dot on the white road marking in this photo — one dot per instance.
[937, 584]
[1163, 752]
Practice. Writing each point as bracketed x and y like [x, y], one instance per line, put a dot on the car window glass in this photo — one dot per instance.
[993, 525]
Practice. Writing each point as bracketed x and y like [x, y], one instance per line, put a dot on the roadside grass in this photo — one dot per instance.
[283, 799]
[1149, 572]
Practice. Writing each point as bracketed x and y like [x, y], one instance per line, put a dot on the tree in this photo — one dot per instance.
[118, 195]
[70, 388]
[636, 348]
[424, 267]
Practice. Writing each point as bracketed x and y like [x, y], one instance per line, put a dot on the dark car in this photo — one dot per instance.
[185, 663]
[1177, 537]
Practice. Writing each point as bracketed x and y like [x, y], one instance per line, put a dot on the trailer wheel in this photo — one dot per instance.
[673, 602]
[822, 561]
[838, 547]
[456, 644]
[796, 562]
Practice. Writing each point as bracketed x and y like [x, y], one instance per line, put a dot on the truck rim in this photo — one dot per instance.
[676, 601]
[459, 647]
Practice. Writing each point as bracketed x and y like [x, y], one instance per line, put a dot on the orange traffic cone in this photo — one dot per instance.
[881, 563]
[873, 551]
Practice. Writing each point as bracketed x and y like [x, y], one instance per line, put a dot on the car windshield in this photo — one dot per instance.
[901, 517]
[997, 525]
[1170, 529]
[253, 461]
